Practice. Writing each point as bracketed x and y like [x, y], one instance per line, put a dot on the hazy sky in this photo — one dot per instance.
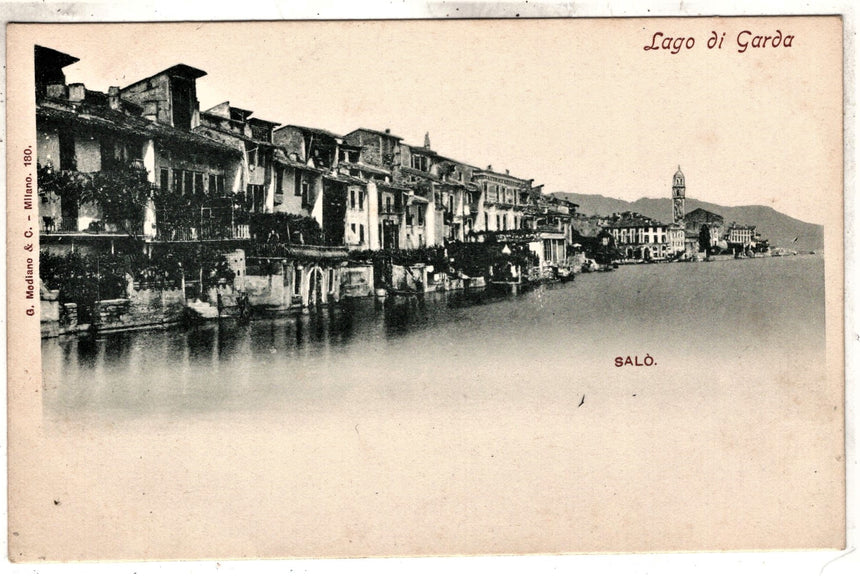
[578, 105]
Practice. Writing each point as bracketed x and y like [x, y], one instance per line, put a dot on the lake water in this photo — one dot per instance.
[498, 427]
[754, 309]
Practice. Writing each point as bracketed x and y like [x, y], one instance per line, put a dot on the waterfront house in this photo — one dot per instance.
[712, 222]
[675, 236]
[740, 235]
[378, 163]
[82, 133]
[638, 237]
[460, 198]
[262, 178]
[420, 171]
[504, 199]
[323, 193]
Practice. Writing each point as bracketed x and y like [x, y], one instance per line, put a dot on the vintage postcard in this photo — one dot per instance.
[425, 287]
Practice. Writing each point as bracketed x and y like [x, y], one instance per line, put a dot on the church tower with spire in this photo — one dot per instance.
[679, 191]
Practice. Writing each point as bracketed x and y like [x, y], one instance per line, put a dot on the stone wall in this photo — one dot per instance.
[407, 278]
[357, 281]
[49, 316]
[143, 308]
[268, 292]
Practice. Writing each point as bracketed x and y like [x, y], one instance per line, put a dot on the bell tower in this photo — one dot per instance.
[679, 190]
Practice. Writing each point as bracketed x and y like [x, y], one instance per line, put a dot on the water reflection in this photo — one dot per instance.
[676, 311]
[405, 313]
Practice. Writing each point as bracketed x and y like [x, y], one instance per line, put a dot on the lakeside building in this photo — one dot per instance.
[81, 133]
[700, 219]
[741, 235]
[284, 204]
[504, 200]
[638, 237]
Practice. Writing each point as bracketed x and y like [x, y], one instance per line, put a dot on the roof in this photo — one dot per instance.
[632, 220]
[319, 131]
[344, 178]
[478, 172]
[300, 251]
[262, 122]
[392, 186]
[458, 162]
[377, 132]
[365, 167]
[238, 136]
[413, 198]
[281, 158]
[182, 70]
[422, 150]
[421, 173]
[225, 111]
[115, 121]
[61, 59]
[702, 213]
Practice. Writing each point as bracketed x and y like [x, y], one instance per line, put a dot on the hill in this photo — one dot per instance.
[778, 228]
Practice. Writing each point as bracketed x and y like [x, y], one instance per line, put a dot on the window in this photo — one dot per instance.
[177, 181]
[361, 233]
[187, 182]
[388, 203]
[420, 216]
[352, 229]
[183, 102]
[306, 192]
[361, 199]
[257, 197]
[279, 181]
[297, 281]
[352, 200]
[409, 217]
[198, 182]
[67, 152]
[498, 222]
[486, 221]
[253, 158]
[164, 179]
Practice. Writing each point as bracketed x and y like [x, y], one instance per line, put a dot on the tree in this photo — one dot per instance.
[705, 239]
[122, 194]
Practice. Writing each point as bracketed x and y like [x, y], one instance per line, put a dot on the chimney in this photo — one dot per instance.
[59, 91]
[427, 139]
[77, 92]
[489, 167]
[508, 172]
[150, 110]
[113, 98]
[388, 130]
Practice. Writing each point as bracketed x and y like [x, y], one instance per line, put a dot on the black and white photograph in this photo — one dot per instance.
[425, 287]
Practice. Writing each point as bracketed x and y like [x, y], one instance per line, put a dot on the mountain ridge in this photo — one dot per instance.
[780, 229]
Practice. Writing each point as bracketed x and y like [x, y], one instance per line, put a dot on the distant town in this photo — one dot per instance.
[153, 212]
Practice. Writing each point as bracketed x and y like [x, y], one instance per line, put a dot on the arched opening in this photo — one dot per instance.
[316, 295]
